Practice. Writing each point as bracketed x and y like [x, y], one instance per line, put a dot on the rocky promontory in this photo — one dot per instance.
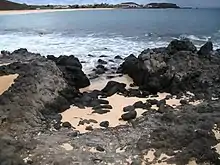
[32, 131]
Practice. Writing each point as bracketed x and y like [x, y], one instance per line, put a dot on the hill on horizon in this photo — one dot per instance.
[9, 5]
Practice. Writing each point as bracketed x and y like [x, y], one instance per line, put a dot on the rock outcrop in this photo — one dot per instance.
[178, 68]
[42, 90]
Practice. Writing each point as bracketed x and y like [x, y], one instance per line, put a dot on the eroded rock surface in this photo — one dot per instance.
[30, 125]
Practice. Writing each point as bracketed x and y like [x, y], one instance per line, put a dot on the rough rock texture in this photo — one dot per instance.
[29, 111]
[176, 70]
[206, 49]
[72, 70]
[37, 96]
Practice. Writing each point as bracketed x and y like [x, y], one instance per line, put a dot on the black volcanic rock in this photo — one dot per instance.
[181, 45]
[178, 69]
[118, 57]
[113, 87]
[100, 61]
[104, 124]
[129, 116]
[72, 70]
[206, 49]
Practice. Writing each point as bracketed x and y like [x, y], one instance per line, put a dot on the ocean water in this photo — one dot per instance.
[107, 32]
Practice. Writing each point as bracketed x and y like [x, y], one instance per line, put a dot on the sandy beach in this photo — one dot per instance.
[74, 115]
[15, 12]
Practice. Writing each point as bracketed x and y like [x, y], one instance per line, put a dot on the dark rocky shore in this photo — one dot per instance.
[31, 131]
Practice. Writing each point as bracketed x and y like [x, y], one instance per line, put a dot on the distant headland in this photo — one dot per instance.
[9, 5]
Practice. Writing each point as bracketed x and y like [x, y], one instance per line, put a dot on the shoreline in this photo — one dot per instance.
[16, 12]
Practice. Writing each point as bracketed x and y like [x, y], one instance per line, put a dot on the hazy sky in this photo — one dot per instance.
[194, 3]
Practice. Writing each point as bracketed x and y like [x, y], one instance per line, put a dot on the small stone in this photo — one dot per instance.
[57, 126]
[129, 108]
[100, 149]
[106, 106]
[92, 121]
[183, 102]
[103, 101]
[168, 97]
[163, 101]
[129, 116]
[103, 56]
[118, 57]
[102, 107]
[66, 125]
[161, 108]
[89, 128]
[101, 111]
[73, 134]
[102, 61]
[152, 102]
[139, 104]
[104, 124]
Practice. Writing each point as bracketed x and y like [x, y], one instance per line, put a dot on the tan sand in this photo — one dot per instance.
[67, 146]
[74, 114]
[6, 82]
[15, 12]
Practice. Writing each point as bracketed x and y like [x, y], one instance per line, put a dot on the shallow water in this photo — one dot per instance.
[106, 32]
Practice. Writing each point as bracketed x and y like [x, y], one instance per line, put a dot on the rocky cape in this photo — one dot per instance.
[30, 124]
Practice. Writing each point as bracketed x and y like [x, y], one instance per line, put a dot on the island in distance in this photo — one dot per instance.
[9, 5]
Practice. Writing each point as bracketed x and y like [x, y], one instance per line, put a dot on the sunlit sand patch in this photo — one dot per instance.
[67, 146]
[74, 114]
[100, 84]
[6, 82]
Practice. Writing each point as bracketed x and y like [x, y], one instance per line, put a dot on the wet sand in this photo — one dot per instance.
[74, 115]
[6, 82]
[15, 12]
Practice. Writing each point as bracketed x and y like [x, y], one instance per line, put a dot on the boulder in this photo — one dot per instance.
[181, 45]
[100, 71]
[118, 57]
[139, 104]
[100, 149]
[100, 61]
[66, 125]
[68, 61]
[129, 116]
[129, 108]
[113, 87]
[72, 70]
[103, 56]
[172, 73]
[206, 49]
[104, 124]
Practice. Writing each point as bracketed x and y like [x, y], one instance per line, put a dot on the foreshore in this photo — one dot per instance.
[161, 107]
[14, 12]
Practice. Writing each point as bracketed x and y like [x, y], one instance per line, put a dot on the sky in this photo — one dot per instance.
[183, 3]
